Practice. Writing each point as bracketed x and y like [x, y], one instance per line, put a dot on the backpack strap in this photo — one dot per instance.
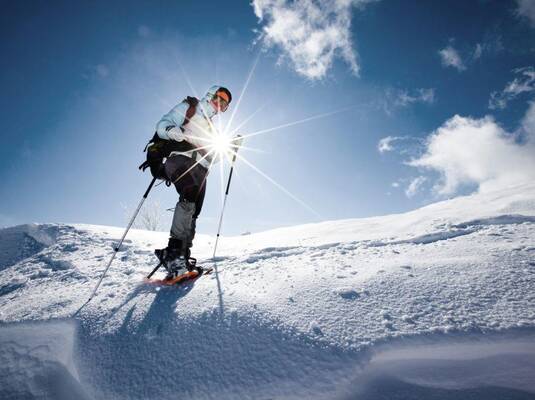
[190, 112]
[161, 148]
[193, 102]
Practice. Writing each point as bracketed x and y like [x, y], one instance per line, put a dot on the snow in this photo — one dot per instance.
[339, 309]
[37, 361]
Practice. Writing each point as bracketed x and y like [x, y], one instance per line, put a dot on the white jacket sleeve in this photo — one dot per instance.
[169, 126]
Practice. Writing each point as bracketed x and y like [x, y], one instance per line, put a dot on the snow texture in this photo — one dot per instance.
[355, 309]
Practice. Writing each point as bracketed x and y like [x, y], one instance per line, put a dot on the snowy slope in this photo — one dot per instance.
[300, 312]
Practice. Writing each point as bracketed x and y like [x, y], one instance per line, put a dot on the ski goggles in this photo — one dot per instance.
[223, 100]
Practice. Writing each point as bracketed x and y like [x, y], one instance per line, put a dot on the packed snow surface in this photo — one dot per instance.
[435, 303]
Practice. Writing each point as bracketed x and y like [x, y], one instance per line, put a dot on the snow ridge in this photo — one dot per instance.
[20, 242]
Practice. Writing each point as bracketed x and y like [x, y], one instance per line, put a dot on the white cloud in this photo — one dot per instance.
[451, 58]
[528, 124]
[309, 33]
[401, 98]
[414, 186]
[525, 83]
[408, 145]
[526, 8]
[461, 60]
[478, 51]
[491, 44]
[404, 98]
[384, 144]
[478, 151]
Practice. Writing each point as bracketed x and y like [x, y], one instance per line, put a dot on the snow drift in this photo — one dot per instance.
[341, 309]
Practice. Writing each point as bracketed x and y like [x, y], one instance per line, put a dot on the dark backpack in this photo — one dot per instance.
[158, 149]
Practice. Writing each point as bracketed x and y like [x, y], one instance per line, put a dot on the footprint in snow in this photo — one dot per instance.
[314, 327]
[408, 319]
[11, 287]
[55, 264]
[70, 247]
[386, 315]
[348, 294]
[389, 326]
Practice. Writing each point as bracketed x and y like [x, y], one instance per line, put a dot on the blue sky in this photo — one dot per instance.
[84, 83]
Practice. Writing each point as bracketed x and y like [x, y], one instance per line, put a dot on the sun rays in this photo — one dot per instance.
[220, 141]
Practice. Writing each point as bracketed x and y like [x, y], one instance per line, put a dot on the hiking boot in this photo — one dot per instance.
[172, 258]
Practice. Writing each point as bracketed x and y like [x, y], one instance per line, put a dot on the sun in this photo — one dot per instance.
[221, 145]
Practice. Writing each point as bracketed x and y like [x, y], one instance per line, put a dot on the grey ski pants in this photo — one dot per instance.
[191, 187]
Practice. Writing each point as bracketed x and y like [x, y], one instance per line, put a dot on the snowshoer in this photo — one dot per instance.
[180, 154]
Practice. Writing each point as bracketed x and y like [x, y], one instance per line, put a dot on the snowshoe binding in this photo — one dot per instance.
[177, 260]
[187, 271]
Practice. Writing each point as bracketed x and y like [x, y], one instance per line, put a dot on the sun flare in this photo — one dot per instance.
[221, 144]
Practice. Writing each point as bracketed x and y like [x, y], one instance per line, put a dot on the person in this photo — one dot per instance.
[180, 154]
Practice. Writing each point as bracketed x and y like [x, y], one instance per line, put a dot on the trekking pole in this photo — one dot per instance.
[116, 248]
[156, 268]
[226, 195]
